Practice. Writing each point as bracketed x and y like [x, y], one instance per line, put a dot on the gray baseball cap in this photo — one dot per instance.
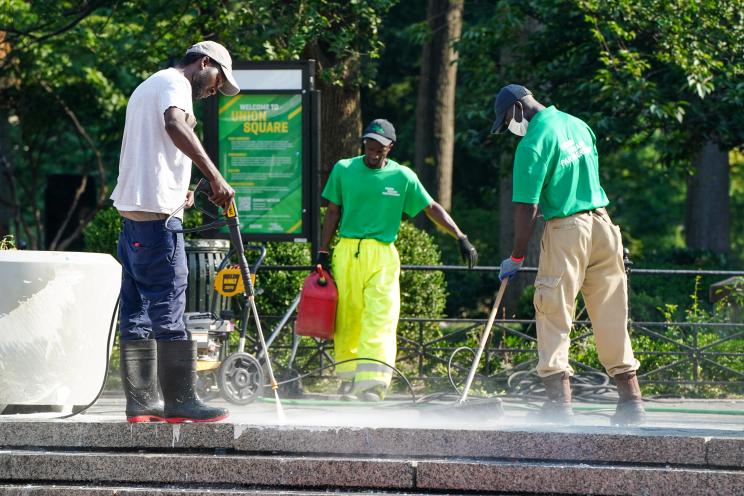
[219, 54]
[505, 98]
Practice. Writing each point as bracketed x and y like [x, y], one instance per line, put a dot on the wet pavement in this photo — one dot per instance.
[677, 416]
[685, 447]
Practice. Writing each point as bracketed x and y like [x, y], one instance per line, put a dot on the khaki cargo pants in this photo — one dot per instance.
[582, 252]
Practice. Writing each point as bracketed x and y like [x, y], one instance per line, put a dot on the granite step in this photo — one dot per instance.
[693, 447]
[171, 490]
[87, 456]
[363, 473]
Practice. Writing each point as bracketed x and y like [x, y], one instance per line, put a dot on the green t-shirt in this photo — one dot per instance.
[373, 201]
[556, 165]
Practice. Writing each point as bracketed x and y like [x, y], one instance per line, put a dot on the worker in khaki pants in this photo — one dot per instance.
[556, 167]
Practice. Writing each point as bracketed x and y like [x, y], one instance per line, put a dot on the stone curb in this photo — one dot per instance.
[370, 473]
[577, 479]
[170, 468]
[646, 448]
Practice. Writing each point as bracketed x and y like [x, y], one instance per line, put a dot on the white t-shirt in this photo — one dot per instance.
[154, 174]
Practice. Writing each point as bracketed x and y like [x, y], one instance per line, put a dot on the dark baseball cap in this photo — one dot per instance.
[380, 130]
[506, 97]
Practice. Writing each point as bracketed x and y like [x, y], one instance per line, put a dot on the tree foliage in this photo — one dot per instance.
[633, 68]
[655, 79]
[677, 66]
[67, 69]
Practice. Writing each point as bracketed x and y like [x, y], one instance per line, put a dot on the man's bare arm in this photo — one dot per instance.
[330, 223]
[185, 139]
[439, 216]
[525, 215]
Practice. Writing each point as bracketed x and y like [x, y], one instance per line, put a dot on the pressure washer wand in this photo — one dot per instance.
[233, 225]
[483, 340]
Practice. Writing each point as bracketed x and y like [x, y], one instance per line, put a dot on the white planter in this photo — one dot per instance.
[55, 316]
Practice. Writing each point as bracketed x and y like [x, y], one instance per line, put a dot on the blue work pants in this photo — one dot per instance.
[154, 280]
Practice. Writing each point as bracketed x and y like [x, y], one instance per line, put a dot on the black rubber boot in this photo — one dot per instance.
[139, 378]
[557, 409]
[629, 409]
[177, 372]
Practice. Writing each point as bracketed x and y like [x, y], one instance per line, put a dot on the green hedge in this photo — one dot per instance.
[102, 234]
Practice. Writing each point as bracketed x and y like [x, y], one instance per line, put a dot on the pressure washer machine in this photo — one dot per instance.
[239, 377]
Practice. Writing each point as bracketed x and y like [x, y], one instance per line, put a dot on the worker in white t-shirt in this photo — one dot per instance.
[158, 147]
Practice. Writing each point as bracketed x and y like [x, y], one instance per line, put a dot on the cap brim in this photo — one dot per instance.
[499, 126]
[381, 139]
[230, 86]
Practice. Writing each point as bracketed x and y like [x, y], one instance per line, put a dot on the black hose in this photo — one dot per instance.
[333, 364]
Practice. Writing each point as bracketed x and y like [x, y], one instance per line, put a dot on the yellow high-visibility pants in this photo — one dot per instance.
[367, 274]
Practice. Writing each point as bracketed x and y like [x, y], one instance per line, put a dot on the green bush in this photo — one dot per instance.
[649, 294]
[280, 287]
[102, 234]
[422, 293]
[470, 293]
[720, 341]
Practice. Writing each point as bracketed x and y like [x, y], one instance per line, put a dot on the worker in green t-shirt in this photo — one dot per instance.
[367, 197]
[556, 168]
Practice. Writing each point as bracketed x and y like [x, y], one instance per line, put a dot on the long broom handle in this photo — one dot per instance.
[484, 339]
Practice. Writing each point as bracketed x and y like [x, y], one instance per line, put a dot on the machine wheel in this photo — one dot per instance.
[241, 378]
[206, 385]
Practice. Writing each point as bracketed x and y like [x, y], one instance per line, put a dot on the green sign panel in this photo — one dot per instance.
[260, 155]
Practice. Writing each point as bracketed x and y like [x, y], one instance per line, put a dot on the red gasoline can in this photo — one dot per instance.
[316, 313]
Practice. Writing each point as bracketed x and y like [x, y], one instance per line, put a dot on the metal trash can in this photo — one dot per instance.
[203, 257]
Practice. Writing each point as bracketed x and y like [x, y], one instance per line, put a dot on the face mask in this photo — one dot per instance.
[518, 128]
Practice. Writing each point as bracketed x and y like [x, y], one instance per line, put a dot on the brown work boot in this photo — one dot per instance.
[346, 391]
[629, 409]
[373, 394]
[557, 408]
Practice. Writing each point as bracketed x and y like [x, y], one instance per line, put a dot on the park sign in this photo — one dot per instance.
[260, 155]
[264, 141]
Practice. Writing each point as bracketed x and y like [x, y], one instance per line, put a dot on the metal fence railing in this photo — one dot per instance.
[705, 358]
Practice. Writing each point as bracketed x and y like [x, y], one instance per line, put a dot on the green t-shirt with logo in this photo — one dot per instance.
[373, 201]
[556, 165]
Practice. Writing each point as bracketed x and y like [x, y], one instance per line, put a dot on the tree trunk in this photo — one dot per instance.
[435, 108]
[340, 115]
[707, 216]
[341, 126]
[6, 212]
